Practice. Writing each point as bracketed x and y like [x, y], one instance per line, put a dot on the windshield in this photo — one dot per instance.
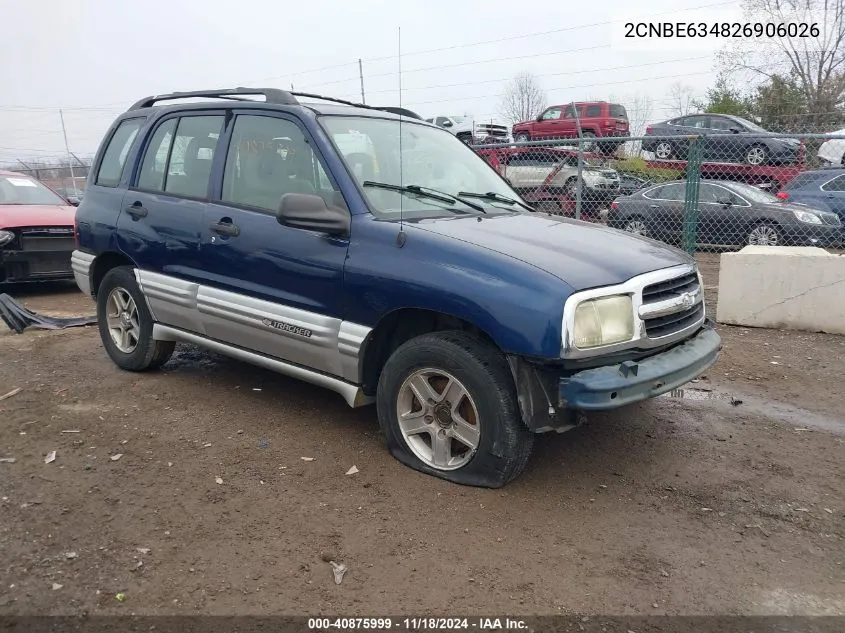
[24, 190]
[753, 193]
[460, 119]
[432, 159]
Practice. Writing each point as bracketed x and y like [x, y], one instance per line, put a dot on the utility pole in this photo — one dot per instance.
[67, 147]
[361, 75]
[580, 163]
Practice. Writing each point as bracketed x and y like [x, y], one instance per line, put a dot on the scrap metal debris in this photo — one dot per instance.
[352, 470]
[13, 392]
[18, 318]
[7, 460]
[338, 569]
[50, 458]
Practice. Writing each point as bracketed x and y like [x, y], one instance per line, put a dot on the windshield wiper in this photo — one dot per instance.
[424, 192]
[497, 197]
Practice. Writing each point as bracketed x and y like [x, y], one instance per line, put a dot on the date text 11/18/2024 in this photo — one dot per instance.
[417, 624]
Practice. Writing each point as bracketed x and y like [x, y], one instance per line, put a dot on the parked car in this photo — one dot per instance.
[728, 138]
[598, 119]
[470, 131]
[729, 213]
[36, 231]
[415, 281]
[821, 188]
[832, 152]
[548, 177]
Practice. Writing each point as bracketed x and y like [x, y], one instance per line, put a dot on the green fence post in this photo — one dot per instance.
[693, 178]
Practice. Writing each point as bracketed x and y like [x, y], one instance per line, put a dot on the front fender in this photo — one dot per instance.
[518, 305]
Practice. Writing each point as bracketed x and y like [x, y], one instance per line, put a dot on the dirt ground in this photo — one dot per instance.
[698, 504]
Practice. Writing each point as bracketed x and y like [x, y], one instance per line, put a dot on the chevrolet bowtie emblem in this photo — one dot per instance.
[688, 299]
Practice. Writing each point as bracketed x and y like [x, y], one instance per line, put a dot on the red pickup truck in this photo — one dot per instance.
[598, 119]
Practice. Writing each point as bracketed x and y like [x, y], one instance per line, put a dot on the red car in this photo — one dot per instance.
[36, 231]
[598, 119]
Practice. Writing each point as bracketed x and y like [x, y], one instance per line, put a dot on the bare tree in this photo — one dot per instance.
[816, 63]
[523, 99]
[681, 99]
[640, 108]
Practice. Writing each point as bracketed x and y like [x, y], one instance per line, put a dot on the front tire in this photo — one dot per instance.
[764, 234]
[448, 407]
[637, 226]
[664, 150]
[756, 155]
[126, 325]
[521, 137]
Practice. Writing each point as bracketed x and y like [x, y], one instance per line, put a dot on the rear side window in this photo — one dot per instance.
[593, 111]
[191, 155]
[155, 157]
[618, 111]
[114, 158]
[837, 184]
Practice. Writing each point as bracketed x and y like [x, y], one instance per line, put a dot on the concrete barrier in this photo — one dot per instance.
[796, 288]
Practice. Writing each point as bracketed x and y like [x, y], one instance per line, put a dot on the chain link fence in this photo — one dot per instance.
[695, 191]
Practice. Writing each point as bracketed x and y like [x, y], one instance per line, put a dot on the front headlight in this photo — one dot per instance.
[603, 321]
[6, 237]
[806, 216]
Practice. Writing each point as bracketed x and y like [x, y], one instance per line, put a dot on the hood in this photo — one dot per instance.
[582, 254]
[20, 215]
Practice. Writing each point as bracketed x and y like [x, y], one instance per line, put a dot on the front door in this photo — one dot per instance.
[271, 288]
[549, 125]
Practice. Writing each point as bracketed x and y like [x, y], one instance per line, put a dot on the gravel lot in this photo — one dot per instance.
[682, 505]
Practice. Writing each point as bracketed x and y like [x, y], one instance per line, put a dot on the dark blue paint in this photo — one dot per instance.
[509, 275]
[807, 190]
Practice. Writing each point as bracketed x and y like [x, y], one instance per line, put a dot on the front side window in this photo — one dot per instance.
[429, 158]
[22, 190]
[551, 113]
[269, 157]
[114, 158]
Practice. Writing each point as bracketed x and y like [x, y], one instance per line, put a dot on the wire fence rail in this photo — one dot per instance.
[695, 191]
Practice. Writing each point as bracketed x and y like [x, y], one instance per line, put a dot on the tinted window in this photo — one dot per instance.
[837, 184]
[593, 111]
[551, 113]
[114, 158]
[269, 157]
[618, 111]
[672, 191]
[441, 120]
[569, 113]
[189, 166]
[718, 123]
[155, 157]
[695, 121]
[709, 193]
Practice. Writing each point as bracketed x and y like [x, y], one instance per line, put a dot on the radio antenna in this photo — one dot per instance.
[400, 238]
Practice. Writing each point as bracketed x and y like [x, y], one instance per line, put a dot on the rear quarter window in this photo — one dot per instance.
[114, 158]
[618, 111]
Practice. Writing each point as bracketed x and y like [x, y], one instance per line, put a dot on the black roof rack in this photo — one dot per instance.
[391, 109]
[271, 95]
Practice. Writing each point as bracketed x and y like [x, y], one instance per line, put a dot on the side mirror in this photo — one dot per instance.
[74, 202]
[310, 212]
[447, 124]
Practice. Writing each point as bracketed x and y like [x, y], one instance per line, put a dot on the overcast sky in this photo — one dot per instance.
[94, 58]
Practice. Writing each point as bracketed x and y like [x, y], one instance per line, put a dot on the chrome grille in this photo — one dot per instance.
[674, 318]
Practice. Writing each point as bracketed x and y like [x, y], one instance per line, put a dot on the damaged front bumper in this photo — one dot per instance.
[550, 401]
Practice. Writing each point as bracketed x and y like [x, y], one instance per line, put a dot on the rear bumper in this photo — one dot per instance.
[24, 266]
[614, 386]
[81, 264]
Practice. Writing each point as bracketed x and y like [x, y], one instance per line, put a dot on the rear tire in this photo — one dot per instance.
[126, 325]
[636, 225]
[588, 145]
[469, 431]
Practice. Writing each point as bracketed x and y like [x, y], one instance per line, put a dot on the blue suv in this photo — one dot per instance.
[366, 251]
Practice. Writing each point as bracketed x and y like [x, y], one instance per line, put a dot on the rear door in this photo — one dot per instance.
[164, 209]
[665, 210]
[718, 211]
[272, 288]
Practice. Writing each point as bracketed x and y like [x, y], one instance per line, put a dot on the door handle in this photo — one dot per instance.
[226, 228]
[654, 206]
[137, 211]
